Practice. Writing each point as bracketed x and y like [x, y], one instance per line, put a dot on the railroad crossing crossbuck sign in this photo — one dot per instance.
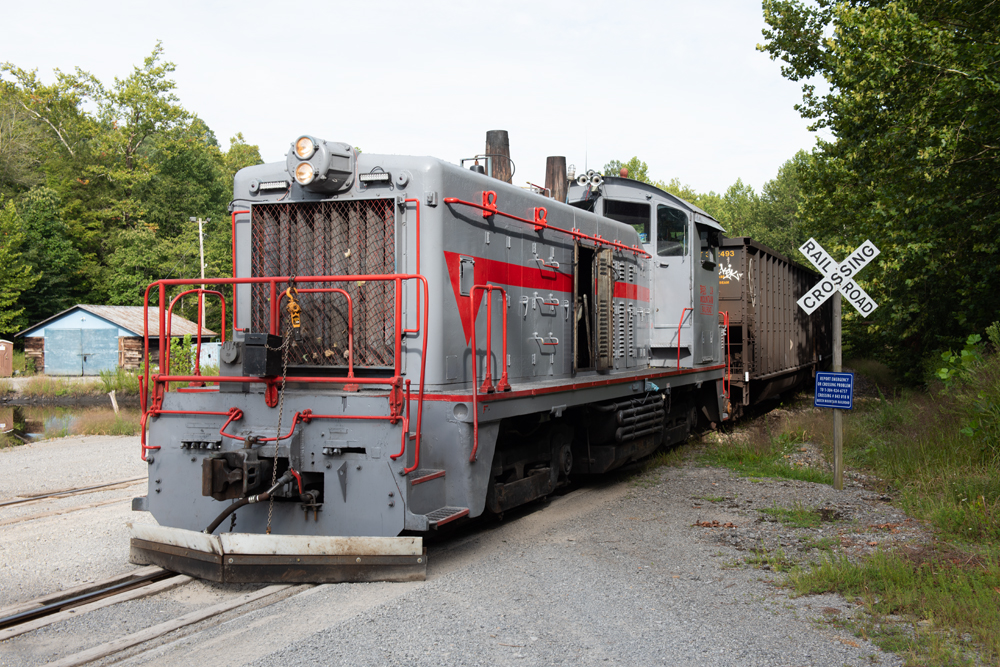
[838, 277]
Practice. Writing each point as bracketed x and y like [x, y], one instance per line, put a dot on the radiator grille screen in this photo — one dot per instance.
[329, 238]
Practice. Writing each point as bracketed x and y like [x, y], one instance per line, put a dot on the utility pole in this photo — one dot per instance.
[201, 252]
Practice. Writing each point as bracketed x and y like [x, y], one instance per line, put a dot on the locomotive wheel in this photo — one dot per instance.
[566, 460]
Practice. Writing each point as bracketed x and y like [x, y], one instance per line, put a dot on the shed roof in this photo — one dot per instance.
[131, 319]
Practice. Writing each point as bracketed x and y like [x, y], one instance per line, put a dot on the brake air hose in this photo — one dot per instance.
[284, 479]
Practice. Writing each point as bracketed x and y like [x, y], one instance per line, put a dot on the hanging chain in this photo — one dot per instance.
[281, 399]
[281, 408]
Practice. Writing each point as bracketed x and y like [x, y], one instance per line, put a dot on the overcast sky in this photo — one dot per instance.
[678, 83]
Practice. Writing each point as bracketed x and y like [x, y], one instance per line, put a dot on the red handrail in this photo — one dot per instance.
[165, 356]
[350, 324]
[679, 323]
[503, 384]
[489, 207]
[152, 406]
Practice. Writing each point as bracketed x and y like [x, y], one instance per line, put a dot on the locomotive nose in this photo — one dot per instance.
[321, 166]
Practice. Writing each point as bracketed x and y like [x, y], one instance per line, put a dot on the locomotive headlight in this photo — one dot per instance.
[305, 147]
[304, 173]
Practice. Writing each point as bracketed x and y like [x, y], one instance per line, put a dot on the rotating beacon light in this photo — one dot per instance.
[321, 166]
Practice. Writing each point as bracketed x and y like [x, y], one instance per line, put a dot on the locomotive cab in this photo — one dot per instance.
[683, 243]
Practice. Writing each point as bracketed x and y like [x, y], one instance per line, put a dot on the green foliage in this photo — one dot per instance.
[637, 169]
[50, 254]
[913, 163]
[16, 275]
[960, 366]
[104, 177]
[121, 381]
[181, 356]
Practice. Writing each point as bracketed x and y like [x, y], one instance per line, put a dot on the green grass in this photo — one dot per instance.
[42, 386]
[822, 544]
[6, 387]
[797, 517]
[937, 452]
[21, 365]
[953, 590]
[762, 454]
[120, 381]
[712, 499]
[107, 423]
[775, 561]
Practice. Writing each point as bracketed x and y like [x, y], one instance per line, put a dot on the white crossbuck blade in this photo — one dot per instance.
[838, 277]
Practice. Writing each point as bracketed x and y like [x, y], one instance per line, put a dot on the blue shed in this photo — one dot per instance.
[85, 340]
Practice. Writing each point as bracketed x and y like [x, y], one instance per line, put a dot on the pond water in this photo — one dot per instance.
[41, 422]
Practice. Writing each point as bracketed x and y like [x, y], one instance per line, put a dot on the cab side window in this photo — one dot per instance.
[635, 214]
[671, 232]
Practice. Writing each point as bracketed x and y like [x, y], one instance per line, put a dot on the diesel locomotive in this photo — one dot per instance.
[414, 342]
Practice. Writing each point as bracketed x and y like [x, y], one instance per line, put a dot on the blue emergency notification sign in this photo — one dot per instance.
[834, 390]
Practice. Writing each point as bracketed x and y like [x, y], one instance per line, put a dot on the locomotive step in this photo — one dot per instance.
[445, 514]
[425, 475]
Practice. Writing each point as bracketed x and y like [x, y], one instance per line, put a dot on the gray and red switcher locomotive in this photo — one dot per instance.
[412, 343]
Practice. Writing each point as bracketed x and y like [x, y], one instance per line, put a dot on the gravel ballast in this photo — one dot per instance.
[640, 569]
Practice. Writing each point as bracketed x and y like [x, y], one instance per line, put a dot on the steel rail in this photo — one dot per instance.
[68, 492]
[49, 609]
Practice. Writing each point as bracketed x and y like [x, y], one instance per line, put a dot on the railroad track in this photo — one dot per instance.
[77, 601]
[65, 493]
[73, 603]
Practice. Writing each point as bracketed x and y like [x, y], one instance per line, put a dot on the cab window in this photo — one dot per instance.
[671, 232]
[631, 213]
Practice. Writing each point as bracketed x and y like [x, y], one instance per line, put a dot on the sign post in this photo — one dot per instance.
[836, 390]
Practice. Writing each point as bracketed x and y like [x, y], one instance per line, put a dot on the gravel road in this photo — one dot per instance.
[640, 569]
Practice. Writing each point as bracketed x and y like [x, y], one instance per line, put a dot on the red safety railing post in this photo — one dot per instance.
[503, 384]
[164, 349]
[488, 378]
[398, 348]
[274, 307]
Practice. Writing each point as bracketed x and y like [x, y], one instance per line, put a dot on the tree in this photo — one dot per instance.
[19, 138]
[50, 253]
[15, 275]
[914, 163]
[637, 169]
[130, 114]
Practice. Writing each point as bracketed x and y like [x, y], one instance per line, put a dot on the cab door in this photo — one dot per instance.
[673, 259]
